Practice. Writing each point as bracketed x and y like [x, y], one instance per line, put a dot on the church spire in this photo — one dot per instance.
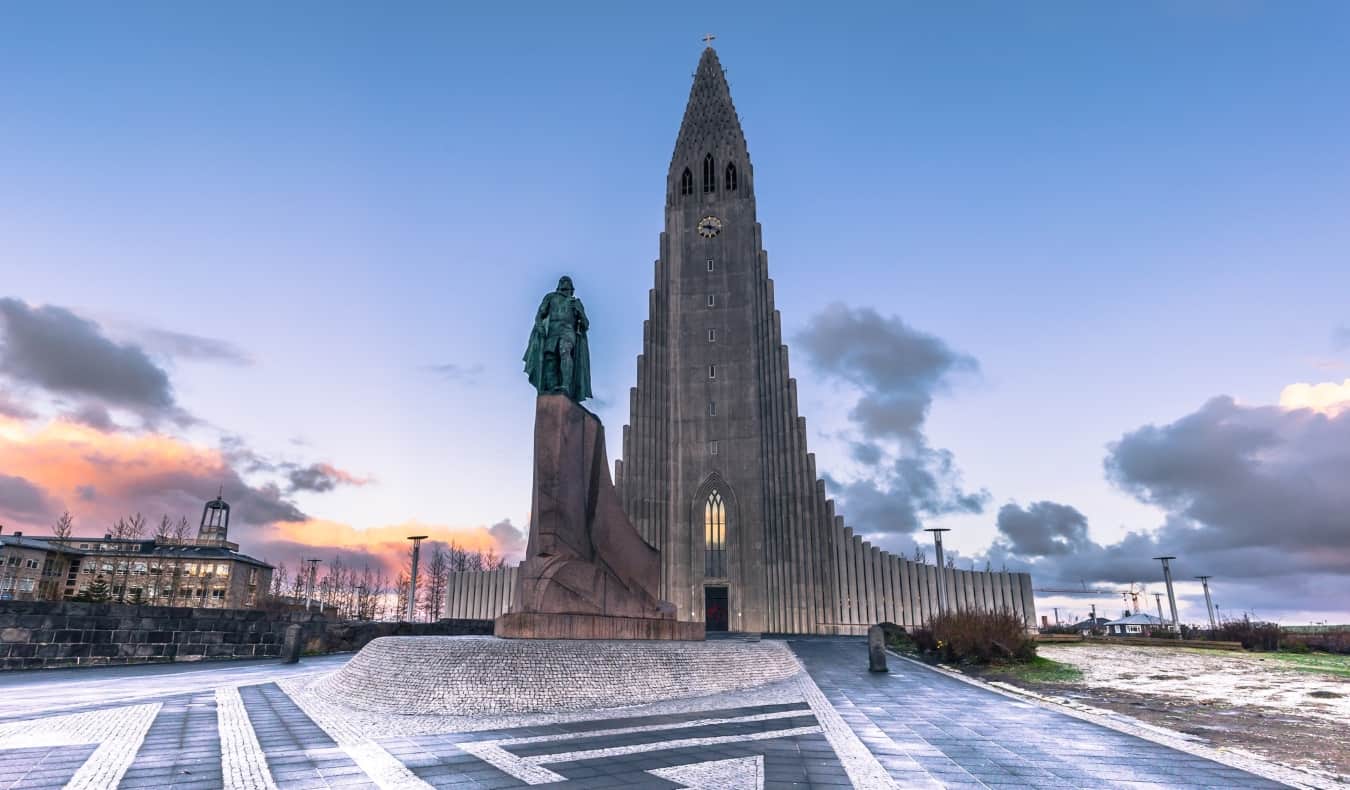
[710, 120]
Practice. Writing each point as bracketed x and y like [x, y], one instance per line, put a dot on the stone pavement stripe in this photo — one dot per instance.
[182, 745]
[962, 733]
[42, 766]
[298, 751]
[117, 748]
[653, 733]
[862, 766]
[243, 764]
[381, 766]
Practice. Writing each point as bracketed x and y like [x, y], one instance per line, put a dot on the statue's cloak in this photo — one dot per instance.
[581, 363]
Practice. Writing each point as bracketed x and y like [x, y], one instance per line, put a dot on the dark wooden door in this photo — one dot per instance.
[715, 598]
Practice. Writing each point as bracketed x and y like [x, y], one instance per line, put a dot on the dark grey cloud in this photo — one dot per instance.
[93, 415]
[897, 370]
[1043, 529]
[23, 501]
[319, 477]
[1253, 495]
[54, 349]
[181, 345]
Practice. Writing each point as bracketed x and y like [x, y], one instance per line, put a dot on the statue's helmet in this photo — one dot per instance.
[565, 285]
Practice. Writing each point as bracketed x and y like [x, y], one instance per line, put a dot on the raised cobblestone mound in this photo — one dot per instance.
[468, 675]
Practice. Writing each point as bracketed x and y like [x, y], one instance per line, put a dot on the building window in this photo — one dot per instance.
[712, 335]
[712, 300]
[30, 564]
[715, 536]
[712, 447]
[709, 174]
[730, 183]
[1133, 629]
[712, 265]
[687, 183]
[712, 371]
[26, 585]
[712, 408]
[218, 595]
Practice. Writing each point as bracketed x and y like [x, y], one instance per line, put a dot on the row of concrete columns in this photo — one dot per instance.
[877, 586]
[480, 595]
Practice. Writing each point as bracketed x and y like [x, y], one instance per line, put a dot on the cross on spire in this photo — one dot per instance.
[708, 39]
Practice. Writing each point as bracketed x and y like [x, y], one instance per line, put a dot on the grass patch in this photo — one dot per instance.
[1325, 663]
[1038, 670]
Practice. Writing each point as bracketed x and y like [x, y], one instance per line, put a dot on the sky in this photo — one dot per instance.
[292, 251]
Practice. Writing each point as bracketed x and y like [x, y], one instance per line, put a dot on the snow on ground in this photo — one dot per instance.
[1207, 677]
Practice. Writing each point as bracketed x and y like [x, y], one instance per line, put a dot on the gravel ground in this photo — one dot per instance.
[1232, 700]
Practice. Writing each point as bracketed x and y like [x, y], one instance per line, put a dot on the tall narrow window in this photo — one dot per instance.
[712, 300]
[729, 183]
[712, 371]
[712, 447]
[712, 335]
[709, 174]
[687, 183]
[715, 537]
[712, 408]
[712, 265]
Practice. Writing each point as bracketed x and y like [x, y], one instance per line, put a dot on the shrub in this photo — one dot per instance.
[1253, 634]
[975, 637]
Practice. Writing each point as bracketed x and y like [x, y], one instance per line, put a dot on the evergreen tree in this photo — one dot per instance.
[96, 592]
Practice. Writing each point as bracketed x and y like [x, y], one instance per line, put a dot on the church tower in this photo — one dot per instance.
[714, 469]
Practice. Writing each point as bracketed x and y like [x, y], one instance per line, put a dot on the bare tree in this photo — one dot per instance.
[437, 575]
[164, 530]
[401, 596]
[63, 527]
[920, 555]
[490, 560]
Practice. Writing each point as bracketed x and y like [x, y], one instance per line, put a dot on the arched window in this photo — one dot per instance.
[729, 183]
[687, 183]
[715, 536]
[709, 174]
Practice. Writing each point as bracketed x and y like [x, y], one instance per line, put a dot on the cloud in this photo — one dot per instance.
[1043, 529]
[320, 477]
[456, 372]
[510, 539]
[1255, 496]
[896, 370]
[94, 416]
[1328, 397]
[181, 345]
[54, 349]
[147, 472]
[21, 500]
[12, 408]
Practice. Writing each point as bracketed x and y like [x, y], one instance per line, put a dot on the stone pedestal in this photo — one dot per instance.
[587, 574]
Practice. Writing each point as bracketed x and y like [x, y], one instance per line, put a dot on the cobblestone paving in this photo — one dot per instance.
[835, 726]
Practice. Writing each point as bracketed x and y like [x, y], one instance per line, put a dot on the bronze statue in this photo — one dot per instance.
[558, 360]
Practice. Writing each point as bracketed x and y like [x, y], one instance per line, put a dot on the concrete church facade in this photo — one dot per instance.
[715, 470]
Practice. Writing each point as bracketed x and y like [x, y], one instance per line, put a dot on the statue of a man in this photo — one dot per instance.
[557, 359]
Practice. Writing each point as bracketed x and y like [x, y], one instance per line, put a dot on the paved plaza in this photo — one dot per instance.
[264, 725]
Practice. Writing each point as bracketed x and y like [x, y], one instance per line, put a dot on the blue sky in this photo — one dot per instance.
[1119, 211]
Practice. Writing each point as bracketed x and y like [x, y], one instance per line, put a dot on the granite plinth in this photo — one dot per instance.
[535, 625]
[468, 675]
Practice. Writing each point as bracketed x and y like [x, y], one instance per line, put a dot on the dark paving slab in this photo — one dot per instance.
[182, 746]
[299, 753]
[42, 766]
[963, 735]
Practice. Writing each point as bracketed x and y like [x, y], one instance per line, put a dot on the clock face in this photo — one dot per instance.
[709, 227]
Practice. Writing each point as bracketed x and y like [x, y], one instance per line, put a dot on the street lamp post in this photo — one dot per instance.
[941, 568]
[309, 583]
[1171, 595]
[1209, 602]
[412, 580]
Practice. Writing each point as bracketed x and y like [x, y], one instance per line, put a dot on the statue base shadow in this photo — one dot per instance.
[587, 574]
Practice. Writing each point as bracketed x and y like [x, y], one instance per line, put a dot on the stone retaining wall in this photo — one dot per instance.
[49, 634]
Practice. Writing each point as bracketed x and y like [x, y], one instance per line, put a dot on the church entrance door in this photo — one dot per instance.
[715, 600]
